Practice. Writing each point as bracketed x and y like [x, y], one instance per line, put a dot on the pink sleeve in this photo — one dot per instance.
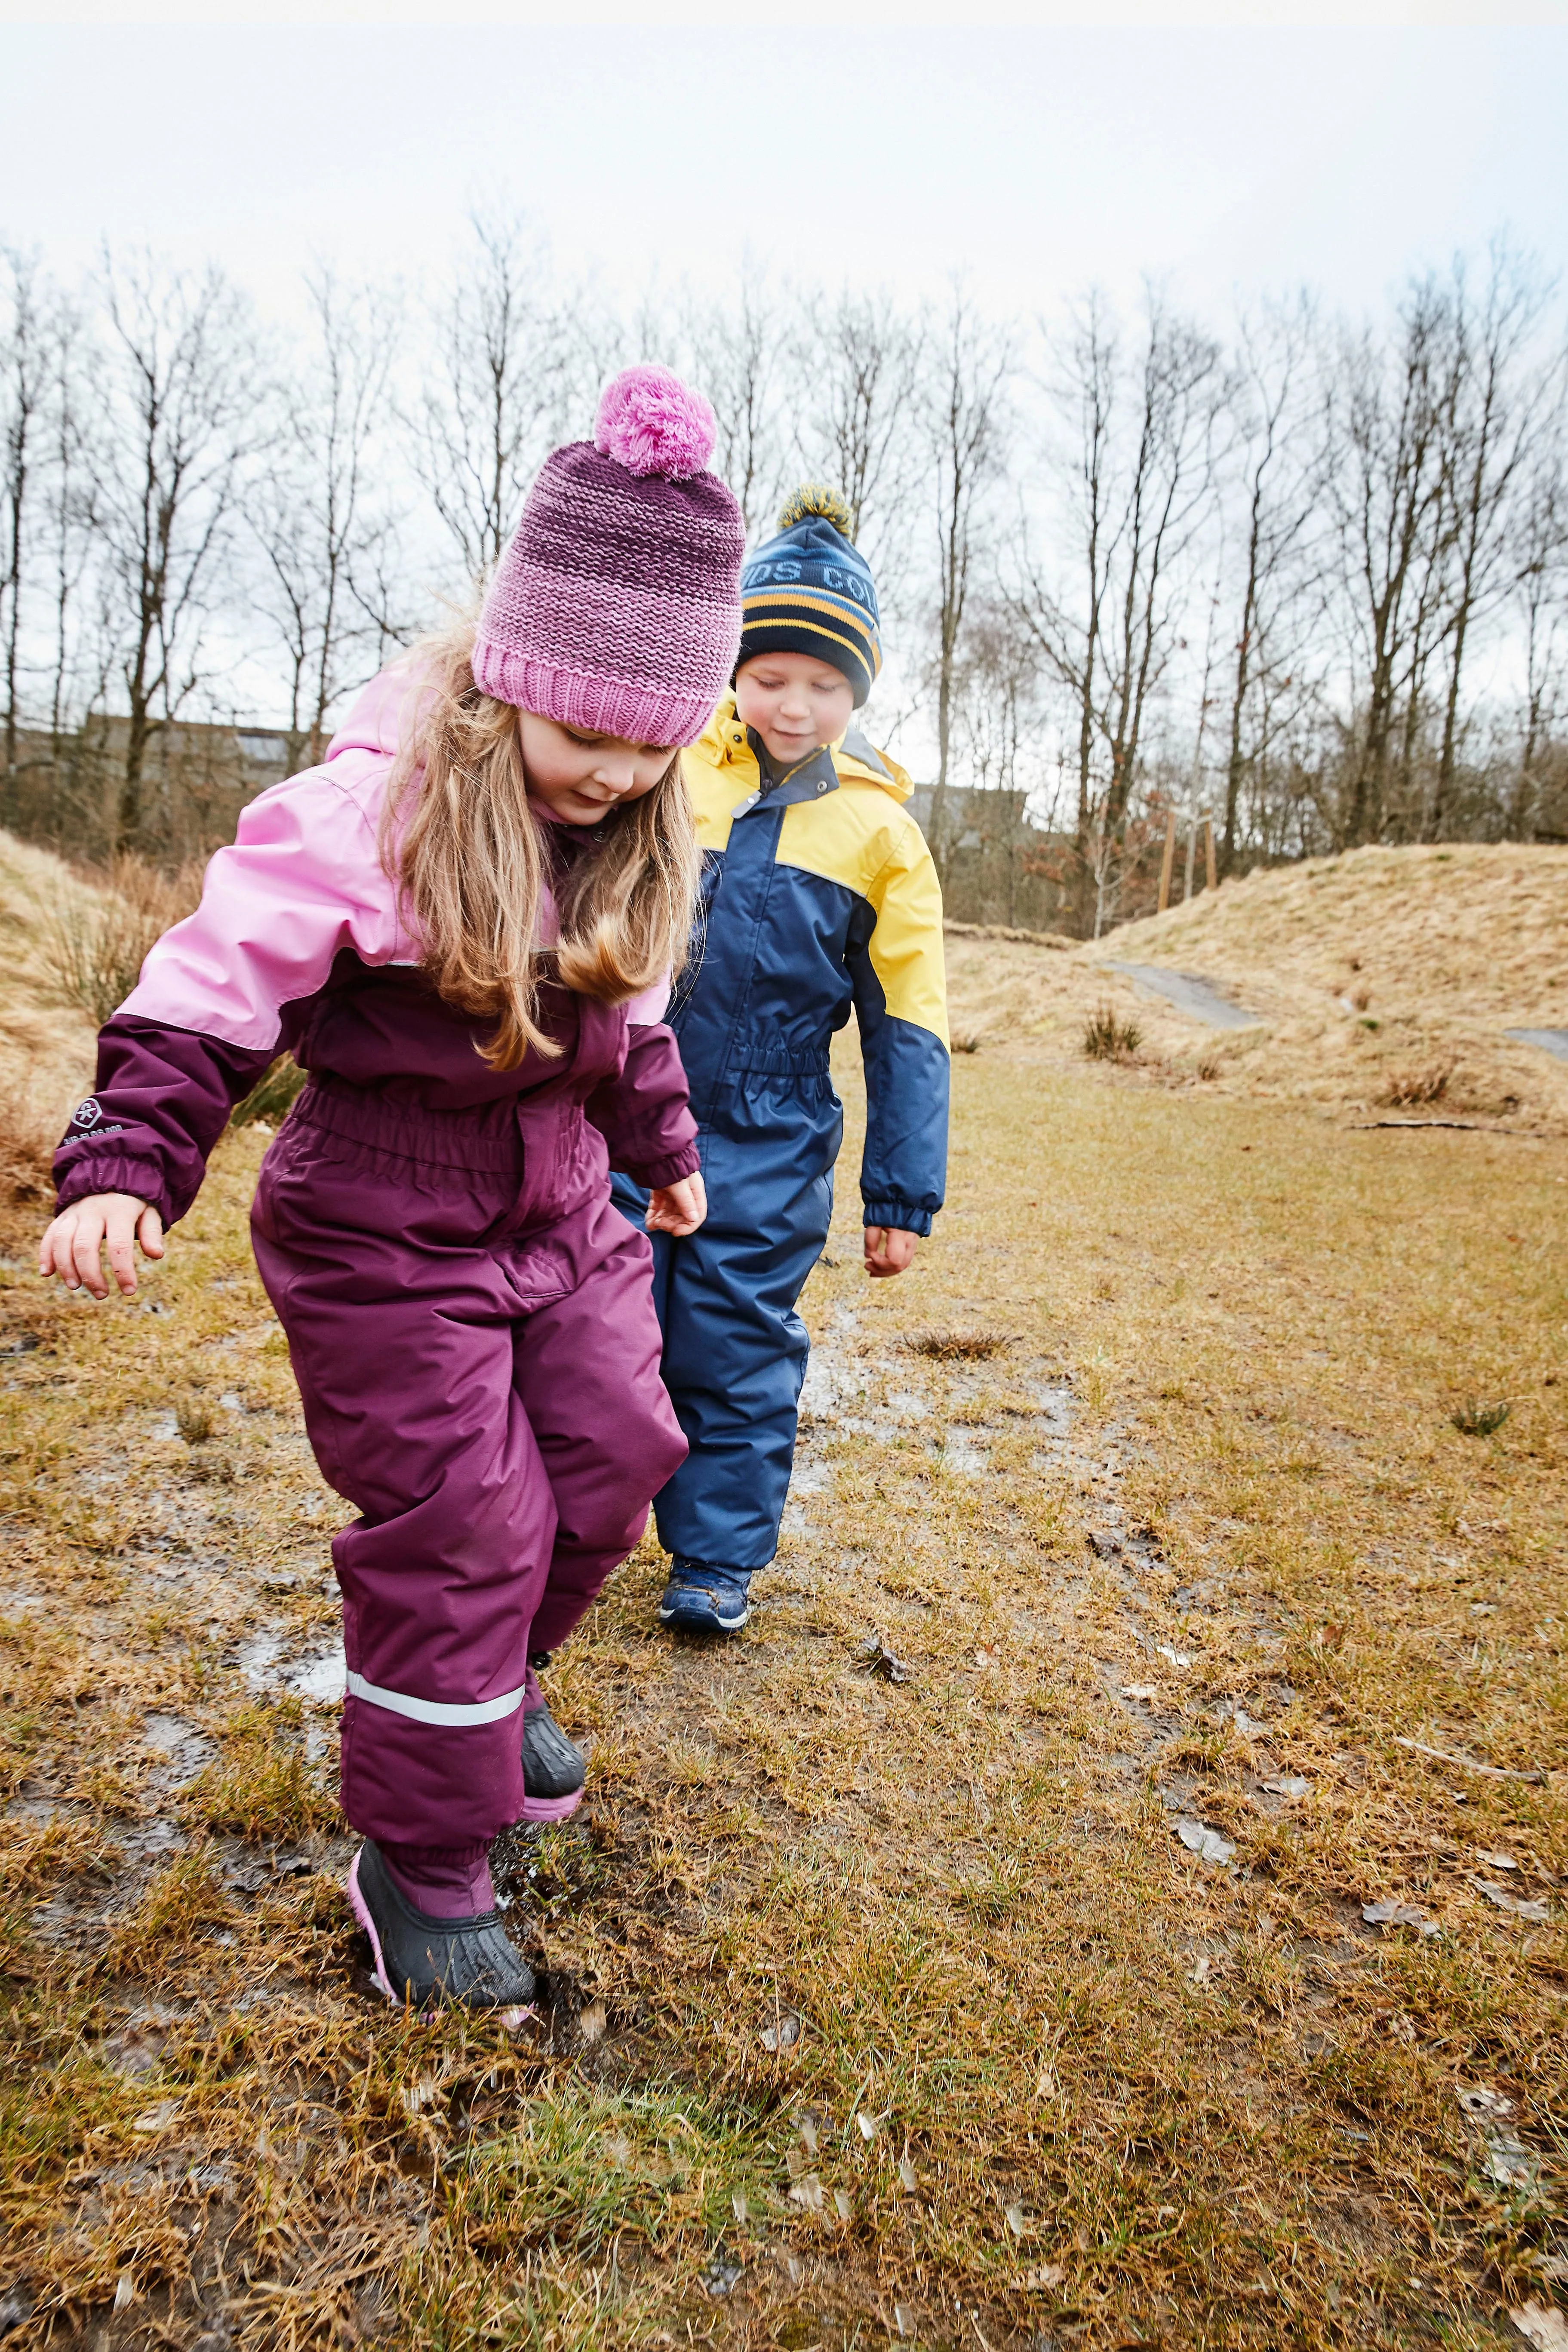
[302, 881]
[644, 1011]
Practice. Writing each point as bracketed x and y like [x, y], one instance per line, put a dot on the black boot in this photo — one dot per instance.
[554, 1771]
[422, 1960]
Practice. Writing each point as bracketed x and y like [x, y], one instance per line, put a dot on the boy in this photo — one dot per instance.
[819, 892]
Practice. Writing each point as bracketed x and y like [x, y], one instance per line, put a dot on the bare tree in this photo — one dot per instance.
[970, 366]
[1386, 476]
[70, 526]
[181, 411]
[23, 391]
[498, 393]
[1541, 593]
[1278, 471]
[737, 349]
[320, 527]
[1067, 621]
[1136, 495]
[1491, 418]
[857, 365]
[1168, 490]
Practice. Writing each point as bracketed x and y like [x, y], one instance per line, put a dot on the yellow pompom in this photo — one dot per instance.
[817, 498]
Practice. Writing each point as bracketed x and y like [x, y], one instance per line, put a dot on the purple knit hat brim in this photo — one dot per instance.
[598, 706]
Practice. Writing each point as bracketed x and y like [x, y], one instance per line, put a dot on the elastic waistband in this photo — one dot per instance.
[491, 1139]
[762, 1059]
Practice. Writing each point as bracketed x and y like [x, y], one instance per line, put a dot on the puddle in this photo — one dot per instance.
[321, 1679]
[1191, 995]
[255, 1659]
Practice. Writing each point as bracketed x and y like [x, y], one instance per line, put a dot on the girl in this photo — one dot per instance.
[462, 924]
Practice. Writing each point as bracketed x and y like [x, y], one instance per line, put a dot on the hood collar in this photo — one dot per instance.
[724, 741]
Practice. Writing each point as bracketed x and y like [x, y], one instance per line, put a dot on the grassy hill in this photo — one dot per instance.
[1385, 979]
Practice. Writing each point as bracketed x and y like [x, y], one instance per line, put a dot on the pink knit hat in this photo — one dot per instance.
[617, 605]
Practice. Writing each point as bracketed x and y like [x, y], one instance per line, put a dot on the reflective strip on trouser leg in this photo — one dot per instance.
[433, 1710]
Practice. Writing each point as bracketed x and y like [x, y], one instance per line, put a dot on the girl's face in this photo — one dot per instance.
[794, 702]
[580, 777]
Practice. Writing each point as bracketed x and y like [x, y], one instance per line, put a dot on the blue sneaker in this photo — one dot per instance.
[703, 1598]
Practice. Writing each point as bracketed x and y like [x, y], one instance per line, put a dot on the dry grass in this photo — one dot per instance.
[1107, 1037]
[1369, 973]
[95, 929]
[74, 942]
[879, 2009]
[45, 1037]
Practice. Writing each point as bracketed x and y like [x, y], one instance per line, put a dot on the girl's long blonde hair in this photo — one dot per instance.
[459, 837]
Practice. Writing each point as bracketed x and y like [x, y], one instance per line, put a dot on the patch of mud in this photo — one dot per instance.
[185, 1750]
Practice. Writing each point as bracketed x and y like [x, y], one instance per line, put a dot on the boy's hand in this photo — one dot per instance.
[677, 1209]
[73, 1246]
[888, 1249]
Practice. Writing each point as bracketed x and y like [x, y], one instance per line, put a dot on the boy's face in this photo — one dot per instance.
[794, 702]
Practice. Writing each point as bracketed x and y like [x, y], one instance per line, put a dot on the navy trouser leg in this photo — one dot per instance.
[734, 1349]
[735, 1353]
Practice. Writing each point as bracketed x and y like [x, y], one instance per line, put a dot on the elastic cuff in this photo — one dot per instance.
[899, 1213]
[142, 1178]
[654, 1172]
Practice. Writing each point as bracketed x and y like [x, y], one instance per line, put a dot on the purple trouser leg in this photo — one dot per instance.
[480, 1379]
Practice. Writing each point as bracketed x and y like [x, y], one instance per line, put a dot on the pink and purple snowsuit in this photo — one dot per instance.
[470, 1320]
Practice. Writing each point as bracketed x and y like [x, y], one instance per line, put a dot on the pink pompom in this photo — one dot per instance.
[651, 422]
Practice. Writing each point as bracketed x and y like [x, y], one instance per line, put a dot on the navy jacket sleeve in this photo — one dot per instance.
[162, 1100]
[644, 1115]
[900, 1005]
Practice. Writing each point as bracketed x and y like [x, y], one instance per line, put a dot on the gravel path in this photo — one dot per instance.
[1189, 994]
[1551, 1041]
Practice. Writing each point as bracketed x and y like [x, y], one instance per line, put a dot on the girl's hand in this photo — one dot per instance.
[888, 1249]
[677, 1209]
[73, 1246]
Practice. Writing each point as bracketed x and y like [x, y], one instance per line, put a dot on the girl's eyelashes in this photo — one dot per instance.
[597, 742]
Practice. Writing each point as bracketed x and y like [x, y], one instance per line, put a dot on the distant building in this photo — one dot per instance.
[996, 866]
[196, 778]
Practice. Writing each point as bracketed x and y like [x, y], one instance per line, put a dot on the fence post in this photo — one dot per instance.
[1208, 851]
[1169, 859]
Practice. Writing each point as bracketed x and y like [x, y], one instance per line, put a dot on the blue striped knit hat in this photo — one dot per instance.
[810, 590]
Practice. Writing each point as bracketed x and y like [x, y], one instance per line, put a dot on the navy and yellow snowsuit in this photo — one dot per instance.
[819, 894]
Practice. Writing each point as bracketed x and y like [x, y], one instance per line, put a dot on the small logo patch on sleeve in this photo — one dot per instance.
[89, 1113]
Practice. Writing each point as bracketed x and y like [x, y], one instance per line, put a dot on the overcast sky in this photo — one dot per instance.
[1038, 160]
